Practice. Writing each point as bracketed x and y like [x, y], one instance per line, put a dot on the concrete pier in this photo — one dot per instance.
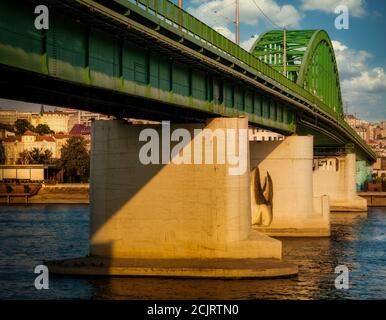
[176, 210]
[374, 199]
[285, 169]
[336, 177]
[176, 268]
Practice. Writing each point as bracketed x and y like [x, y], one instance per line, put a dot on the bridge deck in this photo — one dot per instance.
[151, 57]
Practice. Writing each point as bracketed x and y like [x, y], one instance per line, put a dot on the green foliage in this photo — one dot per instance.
[43, 129]
[36, 156]
[2, 153]
[75, 158]
[24, 157]
[41, 157]
[22, 125]
[7, 127]
[27, 188]
[9, 188]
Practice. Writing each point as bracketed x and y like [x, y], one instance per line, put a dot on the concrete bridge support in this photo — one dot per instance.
[169, 210]
[336, 177]
[283, 202]
[179, 217]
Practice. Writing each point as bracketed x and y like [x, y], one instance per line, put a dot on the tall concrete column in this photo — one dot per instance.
[336, 177]
[283, 203]
[170, 210]
[174, 201]
[350, 174]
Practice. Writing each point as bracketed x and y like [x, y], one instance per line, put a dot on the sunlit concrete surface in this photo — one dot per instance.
[174, 219]
[171, 210]
[295, 209]
[179, 268]
[339, 183]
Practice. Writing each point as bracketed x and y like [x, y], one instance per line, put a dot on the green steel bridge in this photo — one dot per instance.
[150, 59]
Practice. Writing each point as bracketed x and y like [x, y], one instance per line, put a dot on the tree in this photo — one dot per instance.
[75, 159]
[7, 127]
[22, 125]
[24, 157]
[39, 156]
[43, 129]
[2, 153]
[35, 156]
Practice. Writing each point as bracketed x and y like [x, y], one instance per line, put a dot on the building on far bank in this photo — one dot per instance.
[379, 167]
[15, 145]
[83, 117]
[256, 134]
[10, 116]
[373, 133]
[58, 121]
[5, 133]
[80, 129]
[36, 173]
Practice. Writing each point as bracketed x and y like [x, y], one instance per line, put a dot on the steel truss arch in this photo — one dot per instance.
[311, 62]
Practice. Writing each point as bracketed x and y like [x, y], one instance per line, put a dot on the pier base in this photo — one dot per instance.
[173, 218]
[336, 177]
[176, 268]
[374, 199]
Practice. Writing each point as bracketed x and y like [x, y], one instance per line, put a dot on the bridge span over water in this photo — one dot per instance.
[149, 59]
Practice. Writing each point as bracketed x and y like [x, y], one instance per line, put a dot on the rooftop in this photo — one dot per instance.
[29, 133]
[80, 129]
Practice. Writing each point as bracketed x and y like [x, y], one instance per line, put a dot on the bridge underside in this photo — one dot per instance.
[126, 63]
[36, 88]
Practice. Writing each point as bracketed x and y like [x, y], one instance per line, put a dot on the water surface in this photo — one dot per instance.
[28, 235]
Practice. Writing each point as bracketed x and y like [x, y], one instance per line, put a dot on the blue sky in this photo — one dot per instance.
[360, 50]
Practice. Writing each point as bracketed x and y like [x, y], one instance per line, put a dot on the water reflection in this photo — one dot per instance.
[29, 235]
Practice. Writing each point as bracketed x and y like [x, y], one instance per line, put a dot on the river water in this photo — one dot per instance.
[31, 234]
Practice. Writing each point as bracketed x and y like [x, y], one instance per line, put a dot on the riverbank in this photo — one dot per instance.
[64, 193]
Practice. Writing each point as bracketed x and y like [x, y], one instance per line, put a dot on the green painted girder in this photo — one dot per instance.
[311, 62]
[72, 50]
[91, 56]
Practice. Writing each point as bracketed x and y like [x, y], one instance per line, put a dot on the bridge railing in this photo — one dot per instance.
[185, 22]
[179, 20]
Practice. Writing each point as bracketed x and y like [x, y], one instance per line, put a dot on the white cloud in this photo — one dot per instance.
[372, 81]
[247, 44]
[363, 86]
[225, 32]
[356, 7]
[197, 1]
[222, 12]
[354, 70]
[350, 62]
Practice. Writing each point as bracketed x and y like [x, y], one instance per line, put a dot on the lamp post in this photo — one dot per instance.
[237, 22]
[285, 52]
